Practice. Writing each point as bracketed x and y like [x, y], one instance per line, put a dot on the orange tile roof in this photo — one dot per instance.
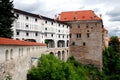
[7, 41]
[78, 15]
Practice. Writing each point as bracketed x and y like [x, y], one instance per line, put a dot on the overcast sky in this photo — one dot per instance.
[110, 9]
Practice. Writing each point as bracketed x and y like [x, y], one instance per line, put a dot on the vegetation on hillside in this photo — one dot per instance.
[6, 18]
[111, 60]
[51, 68]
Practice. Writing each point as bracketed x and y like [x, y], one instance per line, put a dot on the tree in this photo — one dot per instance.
[6, 18]
[111, 60]
[114, 43]
[51, 68]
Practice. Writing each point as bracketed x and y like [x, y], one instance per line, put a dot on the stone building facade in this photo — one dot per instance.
[85, 36]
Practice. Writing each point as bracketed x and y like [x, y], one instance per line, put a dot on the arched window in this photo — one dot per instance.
[19, 52]
[22, 52]
[11, 54]
[6, 55]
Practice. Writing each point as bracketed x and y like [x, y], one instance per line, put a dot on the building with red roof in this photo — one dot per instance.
[85, 35]
[16, 57]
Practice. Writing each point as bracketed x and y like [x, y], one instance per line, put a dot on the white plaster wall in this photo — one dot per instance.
[20, 63]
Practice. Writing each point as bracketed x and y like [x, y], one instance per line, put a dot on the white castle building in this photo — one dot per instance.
[37, 28]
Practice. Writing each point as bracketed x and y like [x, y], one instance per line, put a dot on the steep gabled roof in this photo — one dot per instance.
[78, 15]
[7, 41]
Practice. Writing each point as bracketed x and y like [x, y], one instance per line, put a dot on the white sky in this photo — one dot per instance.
[109, 9]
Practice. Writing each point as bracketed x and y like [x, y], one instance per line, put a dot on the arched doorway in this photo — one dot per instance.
[63, 55]
[61, 43]
[50, 43]
[59, 55]
[51, 53]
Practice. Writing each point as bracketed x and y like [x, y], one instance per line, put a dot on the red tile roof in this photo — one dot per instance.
[7, 41]
[105, 29]
[78, 15]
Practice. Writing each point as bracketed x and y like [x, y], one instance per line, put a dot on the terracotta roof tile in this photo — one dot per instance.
[105, 29]
[7, 41]
[79, 15]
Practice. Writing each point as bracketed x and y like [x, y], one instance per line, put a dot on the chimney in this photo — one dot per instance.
[92, 14]
[100, 15]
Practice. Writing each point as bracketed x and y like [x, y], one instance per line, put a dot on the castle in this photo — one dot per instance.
[86, 36]
[73, 33]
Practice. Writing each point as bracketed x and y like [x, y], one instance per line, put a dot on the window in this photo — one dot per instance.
[59, 36]
[17, 15]
[95, 24]
[51, 23]
[11, 54]
[78, 35]
[18, 33]
[46, 22]
[70, 35]
[84, 44]
[26, 17]
[6, 55]
[88, 35]
[46, 34]
[67, 26]
[27, 34]
[17, 39]
[19, 52]
[45, 28]
[51, 35]
[26, 26]
[67, 36]
[86, 25]
[74, 17]
[63, 36]
[35, 19]
[73, 43]
[78, 25]
[36, 34]
[58, 30]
